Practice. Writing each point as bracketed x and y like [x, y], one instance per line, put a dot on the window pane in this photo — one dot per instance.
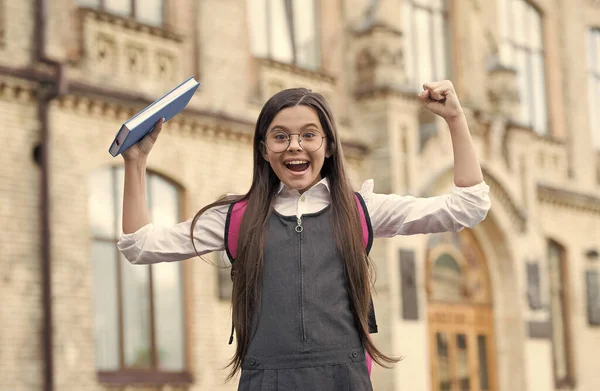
[539, 94]
[102, 203]
[443, 361]
[596, 134]
[592, 54]
[594, 85]
[88, 3]
[149, 11]
[279, 32]
[446, 279]
[106, 322]
[119, 179]
[121, 7]
[462, 363]
[257, 17]
[440, 59]
[523, 83]
[484, 382]
[597, 49]
[423, 3]
[503, 19]
[305, 26]
[519, 31]
[136, 314]
[592, 104]
[410, 58]
[166, 280]
[168, 310]
[163, 201]
[439, 5]
[507, 55]
[424, 49]
[535, 28]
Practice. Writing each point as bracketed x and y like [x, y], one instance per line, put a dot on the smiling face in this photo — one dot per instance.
[295, 167]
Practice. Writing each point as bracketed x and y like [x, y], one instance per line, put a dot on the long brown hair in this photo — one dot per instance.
[248, 266]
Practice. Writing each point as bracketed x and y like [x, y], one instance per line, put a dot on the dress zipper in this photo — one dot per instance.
[299, 228]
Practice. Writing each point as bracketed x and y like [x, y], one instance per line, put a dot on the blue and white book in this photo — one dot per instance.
[138, 126]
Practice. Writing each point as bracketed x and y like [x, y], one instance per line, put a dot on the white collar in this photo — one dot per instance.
[284, 190]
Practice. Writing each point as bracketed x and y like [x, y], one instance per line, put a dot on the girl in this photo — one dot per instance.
[301, 279]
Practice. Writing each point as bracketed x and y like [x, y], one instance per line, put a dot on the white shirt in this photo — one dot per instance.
[390, 215]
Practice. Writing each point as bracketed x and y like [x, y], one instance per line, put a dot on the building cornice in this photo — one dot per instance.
[568, 199]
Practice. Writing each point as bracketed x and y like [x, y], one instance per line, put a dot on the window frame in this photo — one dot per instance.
[101, 7]
[152, 375]
[290, 25]
[448, 42]
[530, 52]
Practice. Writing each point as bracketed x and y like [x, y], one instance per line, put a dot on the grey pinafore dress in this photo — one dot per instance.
[305, 334]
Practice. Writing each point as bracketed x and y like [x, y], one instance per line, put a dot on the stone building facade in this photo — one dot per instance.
[513, 304]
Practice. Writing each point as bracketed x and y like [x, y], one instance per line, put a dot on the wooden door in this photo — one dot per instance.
[461, 343]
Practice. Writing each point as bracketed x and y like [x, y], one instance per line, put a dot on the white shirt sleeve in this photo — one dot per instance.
[393, 214]
[152, 244]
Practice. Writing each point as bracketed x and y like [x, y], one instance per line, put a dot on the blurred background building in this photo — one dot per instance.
[511, 305]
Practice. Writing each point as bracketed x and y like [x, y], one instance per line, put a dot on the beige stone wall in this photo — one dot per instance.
[20, 286]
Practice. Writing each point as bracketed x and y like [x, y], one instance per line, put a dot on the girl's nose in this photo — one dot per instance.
[294, 143]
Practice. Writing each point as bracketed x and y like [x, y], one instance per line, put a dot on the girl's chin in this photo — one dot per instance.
[301, 184]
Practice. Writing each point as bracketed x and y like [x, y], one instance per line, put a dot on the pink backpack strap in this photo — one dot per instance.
[232, 227]
[365, 222]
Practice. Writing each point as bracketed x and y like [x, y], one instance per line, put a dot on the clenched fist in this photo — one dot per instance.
[440, 98]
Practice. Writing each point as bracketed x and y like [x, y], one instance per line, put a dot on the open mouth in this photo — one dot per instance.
[297, 165]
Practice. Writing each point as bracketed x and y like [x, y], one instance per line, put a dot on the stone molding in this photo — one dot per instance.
[568, 199]
[191, 123]
[18, 90]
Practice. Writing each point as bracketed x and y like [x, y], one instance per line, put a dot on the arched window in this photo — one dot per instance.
[446, 279]
[522, 48]
[427, 41]
[139, 309]
[285, 31]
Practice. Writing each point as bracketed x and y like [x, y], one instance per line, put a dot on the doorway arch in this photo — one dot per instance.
[460, 314]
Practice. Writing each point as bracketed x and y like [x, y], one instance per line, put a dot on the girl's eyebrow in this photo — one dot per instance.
[303, 127]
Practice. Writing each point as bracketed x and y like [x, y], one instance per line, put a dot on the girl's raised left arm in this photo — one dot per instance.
[440, 98]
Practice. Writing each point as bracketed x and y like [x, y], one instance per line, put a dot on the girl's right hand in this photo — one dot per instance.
[142, 148]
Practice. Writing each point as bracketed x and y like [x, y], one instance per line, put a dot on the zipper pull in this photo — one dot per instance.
[299, 227]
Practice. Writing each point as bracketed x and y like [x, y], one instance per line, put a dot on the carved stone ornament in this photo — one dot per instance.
[379, 59]
[503, 90]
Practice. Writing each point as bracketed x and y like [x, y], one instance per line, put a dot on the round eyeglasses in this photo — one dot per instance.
[309, 140]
